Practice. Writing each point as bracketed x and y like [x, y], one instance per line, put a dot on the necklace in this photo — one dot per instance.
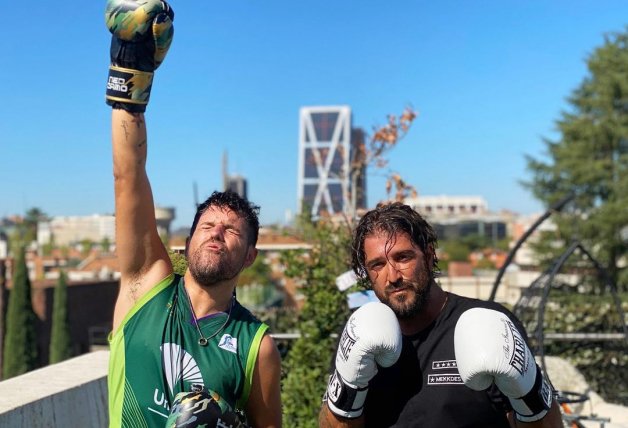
[445, 302]
[202, 340]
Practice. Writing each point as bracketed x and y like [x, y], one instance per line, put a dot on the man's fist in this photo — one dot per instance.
[202, 408]
[142, 32]
[489, 348]
[370, 337]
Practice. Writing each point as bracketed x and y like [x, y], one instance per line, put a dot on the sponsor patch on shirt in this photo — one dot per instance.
[443, 365]
[228, 343]
[444, 379]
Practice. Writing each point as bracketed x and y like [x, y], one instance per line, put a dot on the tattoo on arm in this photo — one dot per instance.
[142, 153]
[138, 119]
[126, 131]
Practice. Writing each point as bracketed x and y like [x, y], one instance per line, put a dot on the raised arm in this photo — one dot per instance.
[142, 257]
[141, 35]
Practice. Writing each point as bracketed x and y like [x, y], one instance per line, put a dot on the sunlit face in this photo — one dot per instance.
[218, 250]
[399, 272]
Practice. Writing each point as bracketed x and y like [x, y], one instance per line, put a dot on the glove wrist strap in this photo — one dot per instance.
[535, 404]
[128, 86]
[344, 399]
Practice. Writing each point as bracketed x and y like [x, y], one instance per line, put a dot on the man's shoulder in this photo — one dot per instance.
[462, 303]
[244, 315]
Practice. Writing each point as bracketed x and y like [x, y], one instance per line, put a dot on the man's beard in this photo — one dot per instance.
[209, 268]
[413, 301]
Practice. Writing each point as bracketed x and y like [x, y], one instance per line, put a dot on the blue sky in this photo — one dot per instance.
[488, 78]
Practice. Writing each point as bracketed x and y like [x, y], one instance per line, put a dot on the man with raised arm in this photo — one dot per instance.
[424, 357]
[183, 349]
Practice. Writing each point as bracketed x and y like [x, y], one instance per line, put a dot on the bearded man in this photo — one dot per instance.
[183, 350]
[424, 357]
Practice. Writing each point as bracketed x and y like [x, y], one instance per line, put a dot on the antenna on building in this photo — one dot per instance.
[232, 183]
[195, 191]
[225, 174]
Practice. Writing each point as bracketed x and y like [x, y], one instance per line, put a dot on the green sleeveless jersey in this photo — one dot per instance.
[155, 354]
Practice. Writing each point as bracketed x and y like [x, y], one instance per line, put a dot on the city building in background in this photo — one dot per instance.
[68, 230]
[237, 184]
[358, 142]
[234, 183]
[327, 143]
[164, 217]
[96, 228]
[525, 255]
[455, 217]
[4, 245]
[444, 206]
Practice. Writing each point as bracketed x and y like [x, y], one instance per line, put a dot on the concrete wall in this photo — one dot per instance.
[72, 393]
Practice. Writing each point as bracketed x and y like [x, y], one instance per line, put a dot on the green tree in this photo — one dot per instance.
[590, 160]
[46, 249]
[325, 309]
[105, 244]
[323, 314]
[165, 239]
[258, 273]
[502, 244]
[86, 247]
[256, 286]
[65, 251]
[476, 241]
[29, 227]
[455, 250]
[3, 299]
[485, 263]
[179, 262]
[60, 346]
[20, 346]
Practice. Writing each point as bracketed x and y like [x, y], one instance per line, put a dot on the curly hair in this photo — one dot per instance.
[244, 209]
[391, 219]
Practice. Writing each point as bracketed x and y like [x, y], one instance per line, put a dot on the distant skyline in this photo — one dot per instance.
[488, 80]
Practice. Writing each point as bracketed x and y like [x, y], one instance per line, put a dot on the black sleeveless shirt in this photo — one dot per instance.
[423, 389]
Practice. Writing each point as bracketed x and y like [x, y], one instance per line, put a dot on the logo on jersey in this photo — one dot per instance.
[228, 343]
[444, 378]
[179, 365]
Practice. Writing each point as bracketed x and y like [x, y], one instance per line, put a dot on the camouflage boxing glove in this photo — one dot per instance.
[142, 32]
[202, 408]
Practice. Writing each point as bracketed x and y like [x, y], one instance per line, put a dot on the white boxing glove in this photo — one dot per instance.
[489, 348]
[371, 336]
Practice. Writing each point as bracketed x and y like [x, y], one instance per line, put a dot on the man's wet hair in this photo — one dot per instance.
[391, 219]
[234, 202]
